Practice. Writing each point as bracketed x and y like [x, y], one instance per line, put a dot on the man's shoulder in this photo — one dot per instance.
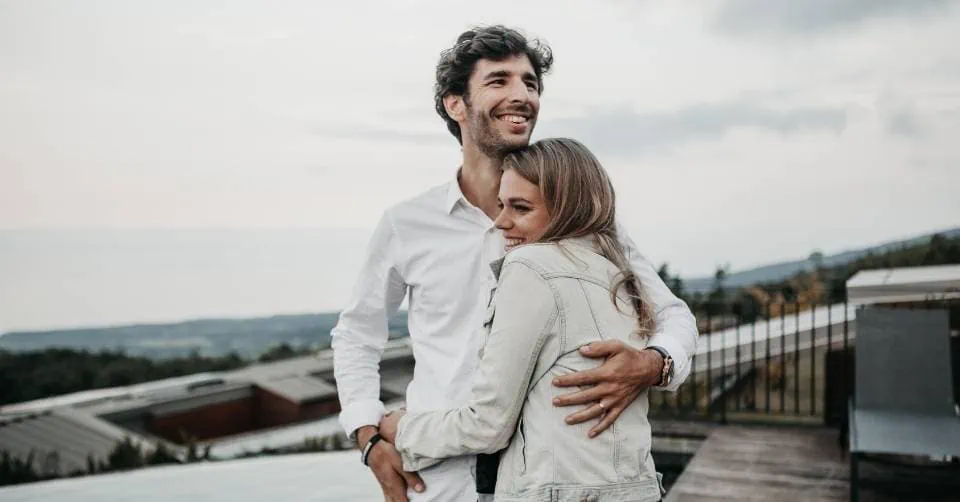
[426, 202]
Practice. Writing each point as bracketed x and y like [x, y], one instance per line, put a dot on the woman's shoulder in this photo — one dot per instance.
[569, 255]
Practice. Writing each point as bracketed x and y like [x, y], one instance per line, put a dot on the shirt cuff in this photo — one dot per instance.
[681, 361]
[361, 413]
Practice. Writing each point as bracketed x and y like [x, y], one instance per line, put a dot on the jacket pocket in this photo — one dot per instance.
[521, 455]
[488, 315]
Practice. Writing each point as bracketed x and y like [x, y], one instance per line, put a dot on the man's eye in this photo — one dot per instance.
[532, 86]
[499, 81]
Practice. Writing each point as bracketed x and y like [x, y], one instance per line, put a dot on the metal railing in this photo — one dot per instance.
[774, 362]
[764, 362]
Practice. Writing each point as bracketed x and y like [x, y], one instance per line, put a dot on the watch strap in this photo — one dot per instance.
[667, 372]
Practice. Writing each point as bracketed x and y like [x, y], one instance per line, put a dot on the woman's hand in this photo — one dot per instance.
[388, 425]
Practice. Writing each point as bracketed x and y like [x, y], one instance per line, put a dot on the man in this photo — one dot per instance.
[436, 249]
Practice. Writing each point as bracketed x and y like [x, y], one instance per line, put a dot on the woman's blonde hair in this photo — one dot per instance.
[580, 201]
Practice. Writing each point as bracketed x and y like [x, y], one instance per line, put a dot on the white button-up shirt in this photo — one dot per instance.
[436, 249]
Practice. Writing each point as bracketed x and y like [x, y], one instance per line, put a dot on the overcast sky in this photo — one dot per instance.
[741, 131]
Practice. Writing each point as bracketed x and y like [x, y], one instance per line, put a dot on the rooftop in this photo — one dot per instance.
[904, 284]
[303, 478]
[61, 440]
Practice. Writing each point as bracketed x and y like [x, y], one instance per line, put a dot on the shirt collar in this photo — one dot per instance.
[454, 194]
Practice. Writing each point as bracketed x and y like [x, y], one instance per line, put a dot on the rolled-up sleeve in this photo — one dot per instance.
[361, 333]
[676, 326]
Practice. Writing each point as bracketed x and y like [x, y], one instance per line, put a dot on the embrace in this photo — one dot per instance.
[537, 327]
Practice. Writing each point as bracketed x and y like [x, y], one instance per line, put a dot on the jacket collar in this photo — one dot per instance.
[588, 242]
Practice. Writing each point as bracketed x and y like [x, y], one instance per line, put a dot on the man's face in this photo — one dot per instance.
[501, 105]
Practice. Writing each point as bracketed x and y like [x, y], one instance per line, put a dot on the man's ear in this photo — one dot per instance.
[455, 107]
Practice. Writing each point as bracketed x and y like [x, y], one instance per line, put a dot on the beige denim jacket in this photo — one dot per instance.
[550, 300]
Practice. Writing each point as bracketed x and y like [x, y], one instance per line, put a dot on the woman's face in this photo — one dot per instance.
[523, 213]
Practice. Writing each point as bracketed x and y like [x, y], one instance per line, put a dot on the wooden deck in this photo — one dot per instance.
[739, 463]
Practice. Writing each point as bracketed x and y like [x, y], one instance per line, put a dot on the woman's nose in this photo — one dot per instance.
[502, 222]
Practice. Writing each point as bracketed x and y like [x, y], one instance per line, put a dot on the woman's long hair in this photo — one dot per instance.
[580, 201]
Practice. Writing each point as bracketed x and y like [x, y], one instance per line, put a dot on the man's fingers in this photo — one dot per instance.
[586, 396]
[585, 377]
[611, 416]
[603, 348]
[588, 413]
[413, 481]
[388, 468]
[393, 485]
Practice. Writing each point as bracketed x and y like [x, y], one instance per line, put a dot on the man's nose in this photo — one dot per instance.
[519, 92]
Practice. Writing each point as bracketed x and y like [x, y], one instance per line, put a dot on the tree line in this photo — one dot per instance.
[25, 376]
[817, 285]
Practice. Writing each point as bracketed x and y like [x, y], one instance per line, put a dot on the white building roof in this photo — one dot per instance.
[335, 476]
[907, 284]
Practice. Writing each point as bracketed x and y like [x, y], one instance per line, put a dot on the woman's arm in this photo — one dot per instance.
[526, 311]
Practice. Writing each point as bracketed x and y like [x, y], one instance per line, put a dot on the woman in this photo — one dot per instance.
[563, 283]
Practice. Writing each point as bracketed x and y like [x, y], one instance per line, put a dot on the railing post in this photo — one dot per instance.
[783, 357]
[766, 377]
[813, 359]
[753, 358]
[709, 382]
[739, 319]
[796, 358]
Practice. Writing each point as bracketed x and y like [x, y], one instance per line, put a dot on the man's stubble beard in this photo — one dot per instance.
[485, 136]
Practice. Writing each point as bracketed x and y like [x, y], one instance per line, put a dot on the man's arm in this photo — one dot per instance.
[628, 372]
[357, 342]
[526, 312]
[676, 326]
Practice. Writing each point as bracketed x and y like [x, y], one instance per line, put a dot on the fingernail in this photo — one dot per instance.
[556, 400]
[556, 381]
[585, 348]
[418, 488]
[592, 434]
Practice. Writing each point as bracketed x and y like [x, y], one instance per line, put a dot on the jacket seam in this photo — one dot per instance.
[535, 354]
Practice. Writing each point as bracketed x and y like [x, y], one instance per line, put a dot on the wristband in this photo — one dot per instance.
[370, 444]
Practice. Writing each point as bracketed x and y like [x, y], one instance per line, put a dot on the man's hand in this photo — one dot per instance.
[626, 373]
[387, 467]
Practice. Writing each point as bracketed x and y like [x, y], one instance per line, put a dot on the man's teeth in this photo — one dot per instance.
[516, 119]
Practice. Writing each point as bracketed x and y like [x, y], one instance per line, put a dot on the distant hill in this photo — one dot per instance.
[784, 270]
[207, 337]
[251, 337]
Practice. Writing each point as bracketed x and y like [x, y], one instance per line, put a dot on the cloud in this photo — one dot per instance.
[812, 16]
[624, 132]
[899, 116]
[381, 134]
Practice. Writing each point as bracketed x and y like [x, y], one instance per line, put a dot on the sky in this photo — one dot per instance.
[737, 132]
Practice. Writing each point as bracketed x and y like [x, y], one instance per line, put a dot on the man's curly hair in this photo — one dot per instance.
[485, 42]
